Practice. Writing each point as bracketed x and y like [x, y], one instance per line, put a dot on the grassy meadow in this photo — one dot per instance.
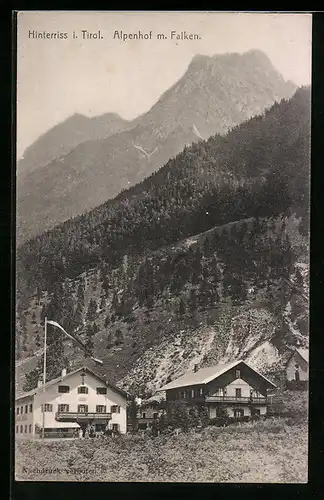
[274, 450]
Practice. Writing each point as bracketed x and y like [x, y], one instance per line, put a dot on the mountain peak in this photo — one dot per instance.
[75, 118]
[109, 116]
[67, 135]
[198, 58]
[255, 55]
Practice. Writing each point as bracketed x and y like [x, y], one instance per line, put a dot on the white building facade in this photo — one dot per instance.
[74, 401]
[234, 389]
[238, 394]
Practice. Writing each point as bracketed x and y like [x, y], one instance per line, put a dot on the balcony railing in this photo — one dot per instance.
[70, 416]
[234, 399]
[143, 420]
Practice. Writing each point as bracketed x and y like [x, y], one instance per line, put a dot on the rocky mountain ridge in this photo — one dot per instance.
[215, 94]
[65, 136]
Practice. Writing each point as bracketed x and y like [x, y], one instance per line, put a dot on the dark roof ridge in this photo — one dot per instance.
[68, 374]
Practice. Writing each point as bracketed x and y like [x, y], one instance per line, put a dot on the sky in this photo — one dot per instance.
[59, 77]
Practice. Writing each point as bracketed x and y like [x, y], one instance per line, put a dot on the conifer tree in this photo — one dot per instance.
[77, 320]
[193, 300]
[92, 310]
[182, 307]
[299, 278]
[80, 294]
[114, 301]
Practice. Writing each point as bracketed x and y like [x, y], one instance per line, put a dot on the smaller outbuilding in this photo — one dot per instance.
[297, 367]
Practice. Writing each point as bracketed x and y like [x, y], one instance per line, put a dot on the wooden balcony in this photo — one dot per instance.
[70, 416]
[144, 420]
[234, 399]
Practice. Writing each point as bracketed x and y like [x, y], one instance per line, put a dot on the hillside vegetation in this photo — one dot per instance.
[260, 168]
[272, 451]
[205, 260]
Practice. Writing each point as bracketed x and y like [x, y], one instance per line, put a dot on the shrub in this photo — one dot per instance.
[220, 421]
[262, 451]
[297, 385]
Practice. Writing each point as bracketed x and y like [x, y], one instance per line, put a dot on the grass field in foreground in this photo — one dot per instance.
[274, 450]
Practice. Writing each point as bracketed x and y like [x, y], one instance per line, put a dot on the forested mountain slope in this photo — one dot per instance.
[206, 259]
[257, 169]
[235, 291]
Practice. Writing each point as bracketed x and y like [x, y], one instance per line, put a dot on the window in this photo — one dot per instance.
[63, 388]
[256, 411]
[201, 391]
[238, 393]
[115, 427]
[192, 393]
[101, 409]
[144, 415]
[219, 392]
[237, 374]
[30, 407]
[17, 429]
[101, 390]
[63, 408]
[26, 408]
[30, 428]
[25, 429]
[47, 407]
[115, 409]
[83, 389]
[82, 408]
[256, 394]
[17, 410]
[21, 429]
[238, 412]
[21, 410]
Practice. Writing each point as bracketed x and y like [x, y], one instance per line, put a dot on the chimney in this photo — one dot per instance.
[195, 368]
[39, 383]
[63, 373]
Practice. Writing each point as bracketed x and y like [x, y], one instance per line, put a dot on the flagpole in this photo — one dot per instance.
[44, 378]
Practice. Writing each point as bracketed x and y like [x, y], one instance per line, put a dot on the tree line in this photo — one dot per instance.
[259, 168]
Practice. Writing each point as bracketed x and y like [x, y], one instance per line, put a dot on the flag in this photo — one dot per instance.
[80, 344]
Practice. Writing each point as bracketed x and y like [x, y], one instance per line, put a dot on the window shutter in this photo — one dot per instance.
[82, 389]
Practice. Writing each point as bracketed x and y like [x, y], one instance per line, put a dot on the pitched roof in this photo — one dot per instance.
[206, 375]
[153, 400]
[304, 353]
[60, 378]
